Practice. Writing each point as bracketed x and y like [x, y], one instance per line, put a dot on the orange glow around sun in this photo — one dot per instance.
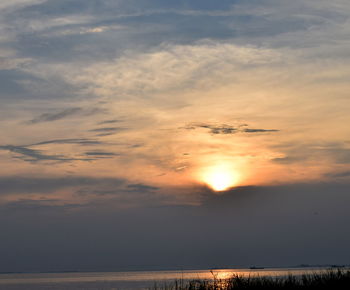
[219, 177]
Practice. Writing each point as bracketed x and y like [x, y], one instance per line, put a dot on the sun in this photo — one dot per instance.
[220, 177]
[219, 181]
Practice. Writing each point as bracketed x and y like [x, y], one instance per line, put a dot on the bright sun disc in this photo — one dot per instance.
[219, 181]
[220, 178]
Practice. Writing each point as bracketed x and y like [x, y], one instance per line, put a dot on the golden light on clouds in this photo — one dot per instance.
[220, 177]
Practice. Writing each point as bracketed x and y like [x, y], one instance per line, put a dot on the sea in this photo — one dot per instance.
[130, 280]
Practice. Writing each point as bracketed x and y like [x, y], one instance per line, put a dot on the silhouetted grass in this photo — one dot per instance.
[331, 279]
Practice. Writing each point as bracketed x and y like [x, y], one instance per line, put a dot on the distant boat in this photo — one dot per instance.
[256, 268]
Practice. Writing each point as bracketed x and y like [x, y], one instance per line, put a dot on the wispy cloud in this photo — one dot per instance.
[32, 155]
[207, 64]
[101, 154]
[304, 153]
[247, 130]
[27, 185]
[78, 191]
[107, 129]
[109, 122]
[141, 187]
[8, 4]
[227, 129]
[35, 155]
[339, 174]
[69, 112]
[48, 117]
[40, 205]
[80, 141]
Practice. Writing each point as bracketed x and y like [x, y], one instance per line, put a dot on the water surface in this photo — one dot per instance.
[129, 280]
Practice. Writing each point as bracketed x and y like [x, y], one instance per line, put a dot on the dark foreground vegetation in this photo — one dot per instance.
[332, 279]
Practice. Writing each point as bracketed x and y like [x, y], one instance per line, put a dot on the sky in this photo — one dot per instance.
[166, 134]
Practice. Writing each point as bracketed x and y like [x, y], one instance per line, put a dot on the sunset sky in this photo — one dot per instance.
[132, 128]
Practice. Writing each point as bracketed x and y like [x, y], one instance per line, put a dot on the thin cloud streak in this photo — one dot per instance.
[227, 129]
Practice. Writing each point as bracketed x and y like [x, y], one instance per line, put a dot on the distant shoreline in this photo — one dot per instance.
[302, 266]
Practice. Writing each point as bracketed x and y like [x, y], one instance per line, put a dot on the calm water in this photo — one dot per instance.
[127, 280]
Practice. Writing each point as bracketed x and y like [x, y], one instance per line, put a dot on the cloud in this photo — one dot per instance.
[139, 192]
[26, 153]
[288, 159]
[259, 130]
[101, 154]
[49, 205]
[34, 155]
[109, 122]
[107, 129]
[226, 129]
[25, 84]
[28, 185]
[298, 152]
[172, 68]
[11, 4]
[89, 192]
[79, 141]
[141, 187]
[13, 62]
[223, 129]
[48, 117]
[341, 174]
